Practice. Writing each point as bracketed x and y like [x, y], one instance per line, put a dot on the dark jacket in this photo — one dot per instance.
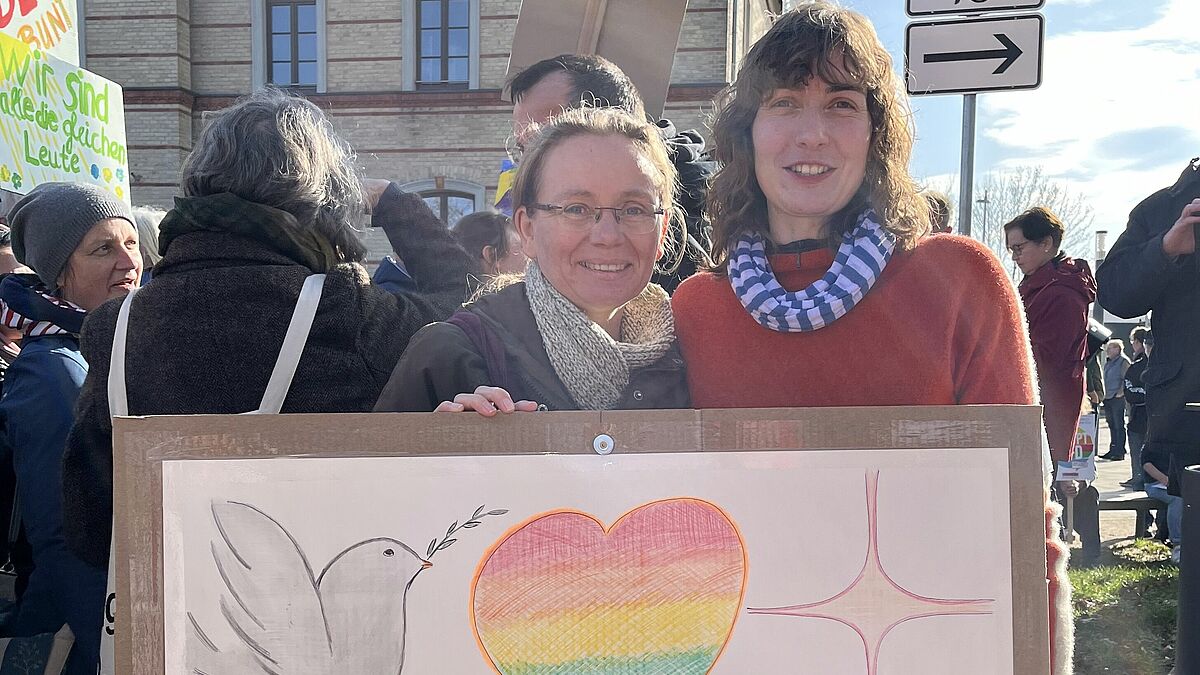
[392, 277]
[204, 337]
[695, 167]
[1135, 395]
[1137, 277]
[443, 361]
[40, 392]
[1056, 298]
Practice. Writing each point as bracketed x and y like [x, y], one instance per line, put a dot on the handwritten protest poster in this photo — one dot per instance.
[58, 122]
[47, 26]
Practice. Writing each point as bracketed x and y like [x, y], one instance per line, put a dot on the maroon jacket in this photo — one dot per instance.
[1056, 298]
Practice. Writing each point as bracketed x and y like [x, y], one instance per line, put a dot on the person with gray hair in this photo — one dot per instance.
[147, 219]
[270, 193]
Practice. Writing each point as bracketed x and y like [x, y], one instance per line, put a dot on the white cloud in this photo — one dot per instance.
[1118, 114]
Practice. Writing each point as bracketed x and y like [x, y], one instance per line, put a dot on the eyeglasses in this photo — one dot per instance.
[632, 217]
[1015, 250]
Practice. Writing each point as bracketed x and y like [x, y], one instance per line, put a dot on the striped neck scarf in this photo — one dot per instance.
[859, 262]
[26, 305]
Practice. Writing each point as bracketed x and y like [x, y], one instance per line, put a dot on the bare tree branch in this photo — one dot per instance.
[1002, 195]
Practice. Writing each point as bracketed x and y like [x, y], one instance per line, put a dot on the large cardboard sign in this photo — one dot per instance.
[48, 26]
[640, 37]
[737, 541]
[58, 122]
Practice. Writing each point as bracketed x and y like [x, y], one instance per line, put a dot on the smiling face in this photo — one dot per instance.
[600, 266]
[107, 264]
[810, 155]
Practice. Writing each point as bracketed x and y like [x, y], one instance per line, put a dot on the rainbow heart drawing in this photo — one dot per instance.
[657, 592]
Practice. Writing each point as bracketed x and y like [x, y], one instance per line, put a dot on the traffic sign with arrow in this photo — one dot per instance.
[931, 7]
[945, 57]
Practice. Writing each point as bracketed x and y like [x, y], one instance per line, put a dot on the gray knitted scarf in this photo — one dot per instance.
[594, 367]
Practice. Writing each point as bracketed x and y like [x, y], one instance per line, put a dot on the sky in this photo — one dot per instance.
[1116, 118]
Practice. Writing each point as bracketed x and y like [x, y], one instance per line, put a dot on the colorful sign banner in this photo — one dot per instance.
[47, 26]
[1083, 459]
[58, 122]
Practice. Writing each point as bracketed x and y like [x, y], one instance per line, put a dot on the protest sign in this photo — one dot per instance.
[733, 541]
[638, 36]
[58, 122]
[48, 26]
[1082, 465]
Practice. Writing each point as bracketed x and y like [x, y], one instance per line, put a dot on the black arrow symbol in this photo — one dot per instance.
[1010, 54]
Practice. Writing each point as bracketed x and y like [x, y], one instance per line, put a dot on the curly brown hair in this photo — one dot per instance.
[804, 42]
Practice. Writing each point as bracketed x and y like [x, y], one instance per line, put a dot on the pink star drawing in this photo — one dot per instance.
[872, 605]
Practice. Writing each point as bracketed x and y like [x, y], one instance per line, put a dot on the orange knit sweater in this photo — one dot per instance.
[943, 325]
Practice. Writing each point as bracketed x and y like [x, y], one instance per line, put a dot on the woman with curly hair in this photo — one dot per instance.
[826, 290]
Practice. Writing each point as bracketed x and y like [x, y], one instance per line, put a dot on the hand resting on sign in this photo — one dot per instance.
[486, 401]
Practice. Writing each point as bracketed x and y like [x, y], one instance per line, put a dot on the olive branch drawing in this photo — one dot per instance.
[472, 522]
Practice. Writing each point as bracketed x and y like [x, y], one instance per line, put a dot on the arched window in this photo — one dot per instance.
[449, 205]
[450, 199]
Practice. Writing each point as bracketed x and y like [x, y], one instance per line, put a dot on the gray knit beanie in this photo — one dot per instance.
[49, 222]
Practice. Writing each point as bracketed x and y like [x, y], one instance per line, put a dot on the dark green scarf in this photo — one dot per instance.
[226, 212]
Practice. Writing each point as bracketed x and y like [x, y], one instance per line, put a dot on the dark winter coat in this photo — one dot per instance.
[1137, 277]
[1135, 395]
[1056, 298]
[443, 361]
[695, 167]
[40, 392]
[205, 335]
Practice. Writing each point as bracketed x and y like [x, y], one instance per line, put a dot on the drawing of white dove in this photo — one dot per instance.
[350, 618]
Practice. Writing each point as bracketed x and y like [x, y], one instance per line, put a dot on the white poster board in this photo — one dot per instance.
[876, 540]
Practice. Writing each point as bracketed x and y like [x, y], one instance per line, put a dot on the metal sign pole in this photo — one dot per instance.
[967, 173]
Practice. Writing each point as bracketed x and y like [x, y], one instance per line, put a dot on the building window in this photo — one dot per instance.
[292, 43]
[444, 39]
[449, 205]
[449, 198]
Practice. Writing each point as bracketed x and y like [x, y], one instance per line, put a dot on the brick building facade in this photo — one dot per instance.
[414, 85]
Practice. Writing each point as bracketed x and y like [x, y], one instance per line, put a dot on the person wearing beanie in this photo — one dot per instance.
[82, 246]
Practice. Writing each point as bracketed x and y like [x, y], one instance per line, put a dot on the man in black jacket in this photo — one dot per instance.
[1154, 266]
[553, 85]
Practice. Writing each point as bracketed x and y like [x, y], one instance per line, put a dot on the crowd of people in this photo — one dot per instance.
[635, 272]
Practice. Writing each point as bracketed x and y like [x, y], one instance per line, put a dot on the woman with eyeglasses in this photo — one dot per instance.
[828, 290]
[585, 329]
[1057, 291]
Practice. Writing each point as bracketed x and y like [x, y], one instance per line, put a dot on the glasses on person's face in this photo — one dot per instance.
[1015, 249]
[633, 217]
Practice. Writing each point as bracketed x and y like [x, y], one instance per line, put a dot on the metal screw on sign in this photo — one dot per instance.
[604, 444]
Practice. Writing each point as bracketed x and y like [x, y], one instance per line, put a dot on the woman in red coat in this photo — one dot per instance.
[1056, 291]
[827, 291]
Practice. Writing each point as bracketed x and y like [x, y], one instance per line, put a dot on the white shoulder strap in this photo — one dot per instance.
[293, 346]
[118, 401]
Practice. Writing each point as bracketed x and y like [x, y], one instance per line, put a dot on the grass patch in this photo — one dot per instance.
[1125, 612]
